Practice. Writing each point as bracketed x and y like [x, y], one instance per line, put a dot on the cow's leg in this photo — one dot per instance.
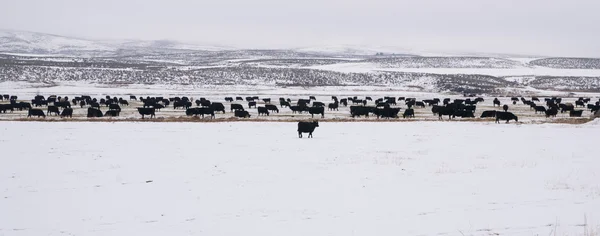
[299, 134]
[310, 135]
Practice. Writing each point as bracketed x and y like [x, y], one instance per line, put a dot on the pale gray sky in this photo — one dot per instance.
[545, 27]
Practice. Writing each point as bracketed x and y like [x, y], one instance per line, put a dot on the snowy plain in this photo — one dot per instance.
[418, 178]
[363, 67]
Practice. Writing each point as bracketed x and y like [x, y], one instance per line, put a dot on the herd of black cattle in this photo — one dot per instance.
[385, 107]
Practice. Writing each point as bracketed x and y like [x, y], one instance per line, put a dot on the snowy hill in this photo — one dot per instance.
[40, 43]
[357, 50]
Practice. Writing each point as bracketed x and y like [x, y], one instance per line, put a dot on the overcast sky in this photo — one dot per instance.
[542, 27]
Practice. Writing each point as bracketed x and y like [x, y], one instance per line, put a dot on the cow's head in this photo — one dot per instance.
[316, 123]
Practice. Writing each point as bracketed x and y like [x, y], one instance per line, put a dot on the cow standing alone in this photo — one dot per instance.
[307, 127]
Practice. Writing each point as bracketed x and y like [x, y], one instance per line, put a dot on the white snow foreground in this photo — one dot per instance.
[416, 178]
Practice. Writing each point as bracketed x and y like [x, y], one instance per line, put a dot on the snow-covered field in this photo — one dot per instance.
[499, 72]
[419, 178]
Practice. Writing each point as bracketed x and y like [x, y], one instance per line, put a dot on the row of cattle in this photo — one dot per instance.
[458, 107]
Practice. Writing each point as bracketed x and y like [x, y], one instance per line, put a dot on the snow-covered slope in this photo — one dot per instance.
[40, 43]
[356, 50]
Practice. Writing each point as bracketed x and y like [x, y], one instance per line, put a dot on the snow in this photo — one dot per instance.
[354, 49]
[520, 71]
[33, 43]
[418, 178]
[24, 40]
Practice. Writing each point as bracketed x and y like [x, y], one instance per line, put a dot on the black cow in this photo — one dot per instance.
[590, 106]
[53, 109]
[132, 97]
[391, 101]
[447, 111]
[5, 107]
[387, 112]
[67, 112]
[62, 104]
[317, 110]
[266, 100]
[505, 108]
[158, 106]
[241, 114]
[312, 98]
[535, 99]
[200, 111]
[205, 103]
[344, 101]
[36, 112]
[228, 99]
[114, 107]
[124, 102]
[302, 102]
[470, 108]
[237, 107]
[496, 102]
[486, 114]
[249, 99]
[360, 111]
[113, 113]
[436, 109]
[579, 104]
[307, 127]
[272, 108]
[146, 111]
[251, 104]
[239, 99]
[39, 103]
[575, 113]
[298, 109]
[318, 104]
[95, 105]
[463, 114]
[333, 106]
[182, 104]
[540, 109]
[507, 116]
[217, 106]
[566, 107]
[263, 111]
[93, 112]
[22, 105]
[410, 113]
[284, 103]
[551, 112]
